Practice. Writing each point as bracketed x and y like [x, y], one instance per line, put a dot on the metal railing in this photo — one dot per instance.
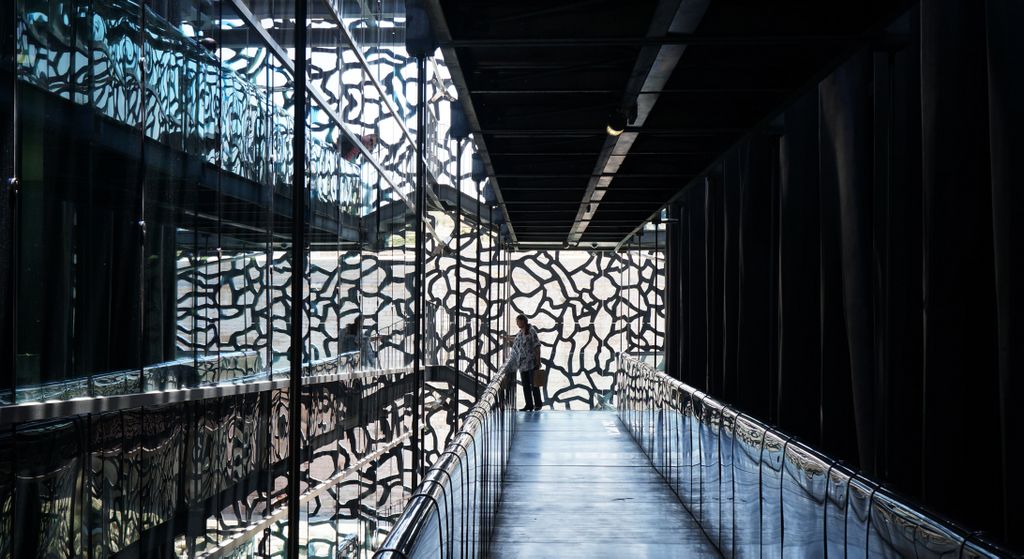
[451, 513]
[759, 492]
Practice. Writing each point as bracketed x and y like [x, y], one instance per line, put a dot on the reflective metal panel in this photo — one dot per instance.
[758, 493]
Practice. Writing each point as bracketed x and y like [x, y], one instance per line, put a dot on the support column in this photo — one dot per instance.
[420, 43]
[418, 291]
[673, 294]
[298, 268]
[8, 192]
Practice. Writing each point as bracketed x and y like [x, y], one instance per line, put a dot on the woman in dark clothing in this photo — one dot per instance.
[356, 339]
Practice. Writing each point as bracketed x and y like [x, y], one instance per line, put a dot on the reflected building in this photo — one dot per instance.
[148, 311]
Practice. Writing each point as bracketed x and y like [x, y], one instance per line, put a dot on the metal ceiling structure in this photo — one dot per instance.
[539, 82]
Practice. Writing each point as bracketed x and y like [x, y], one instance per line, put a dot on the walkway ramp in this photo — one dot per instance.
[577, 485]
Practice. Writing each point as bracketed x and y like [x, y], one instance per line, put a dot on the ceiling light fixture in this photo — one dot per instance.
[616, 123]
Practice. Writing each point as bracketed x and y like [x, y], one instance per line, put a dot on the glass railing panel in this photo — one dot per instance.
[727, 454]
[689, 486]
[772, 455]
[858, 516]
[695, 412]
[452, 511]
[53, 477]
[837, 498]
[676, 423]
[746, 468]
[775, 497]
[711, 467]
[804, 486]
[936, 541]
[892, 528]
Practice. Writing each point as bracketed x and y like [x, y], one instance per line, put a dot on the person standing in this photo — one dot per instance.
[356, 339]
[526, 359]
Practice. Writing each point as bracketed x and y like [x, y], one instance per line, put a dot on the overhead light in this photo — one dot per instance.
[616, 123]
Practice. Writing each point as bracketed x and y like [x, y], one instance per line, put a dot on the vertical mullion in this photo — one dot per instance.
[297, 270]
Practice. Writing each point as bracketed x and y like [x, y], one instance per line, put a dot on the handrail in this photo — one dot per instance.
[88, 404]
[782, 497]
[447, 514]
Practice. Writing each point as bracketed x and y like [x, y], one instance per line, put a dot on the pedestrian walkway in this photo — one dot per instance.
[577, 485]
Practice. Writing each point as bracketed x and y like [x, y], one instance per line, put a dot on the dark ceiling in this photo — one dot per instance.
[540, 80]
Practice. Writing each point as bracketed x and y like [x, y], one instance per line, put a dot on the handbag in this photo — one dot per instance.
[539, 377]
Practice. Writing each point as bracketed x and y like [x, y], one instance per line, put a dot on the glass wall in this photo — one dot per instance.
[147, 260]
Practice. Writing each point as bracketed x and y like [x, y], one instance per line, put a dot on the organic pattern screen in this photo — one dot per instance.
[589, 306]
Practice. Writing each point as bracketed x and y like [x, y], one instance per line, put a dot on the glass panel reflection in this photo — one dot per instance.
[758, 492]
[155, 268]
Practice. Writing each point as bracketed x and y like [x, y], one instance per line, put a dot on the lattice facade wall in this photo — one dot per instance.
[588, 306]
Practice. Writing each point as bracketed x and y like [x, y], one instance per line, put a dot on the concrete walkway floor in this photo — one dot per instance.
[577, 485]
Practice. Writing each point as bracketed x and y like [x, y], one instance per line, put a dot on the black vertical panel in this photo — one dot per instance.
[1006, 117]
[682, 305]
[799, 331]
[882, 124]
[846, 136]
[897, 247]
[960, 371]
[903, 318]
[755, 166]
[838, 433]
[8, 186]
[696, 340]
[730, 279]
[713, 281]
[773, 281]
[673, 291]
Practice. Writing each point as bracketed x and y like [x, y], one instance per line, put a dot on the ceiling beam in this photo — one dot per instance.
[591, 154]
[563, 203]
[681, 132]
[590, 175]
[677, 91]
[617, 188]
[654, 67]
[657, 41]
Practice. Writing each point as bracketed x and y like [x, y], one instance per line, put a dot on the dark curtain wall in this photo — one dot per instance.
[854, 275]
[1006, 113]
[961, 412]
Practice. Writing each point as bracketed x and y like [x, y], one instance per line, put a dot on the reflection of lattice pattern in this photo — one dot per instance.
[588, 306]
[473, 303]
[143, 467]
[232, 108]
[477, 301]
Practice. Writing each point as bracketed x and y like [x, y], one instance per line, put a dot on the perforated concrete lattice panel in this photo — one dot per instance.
[588, 307]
